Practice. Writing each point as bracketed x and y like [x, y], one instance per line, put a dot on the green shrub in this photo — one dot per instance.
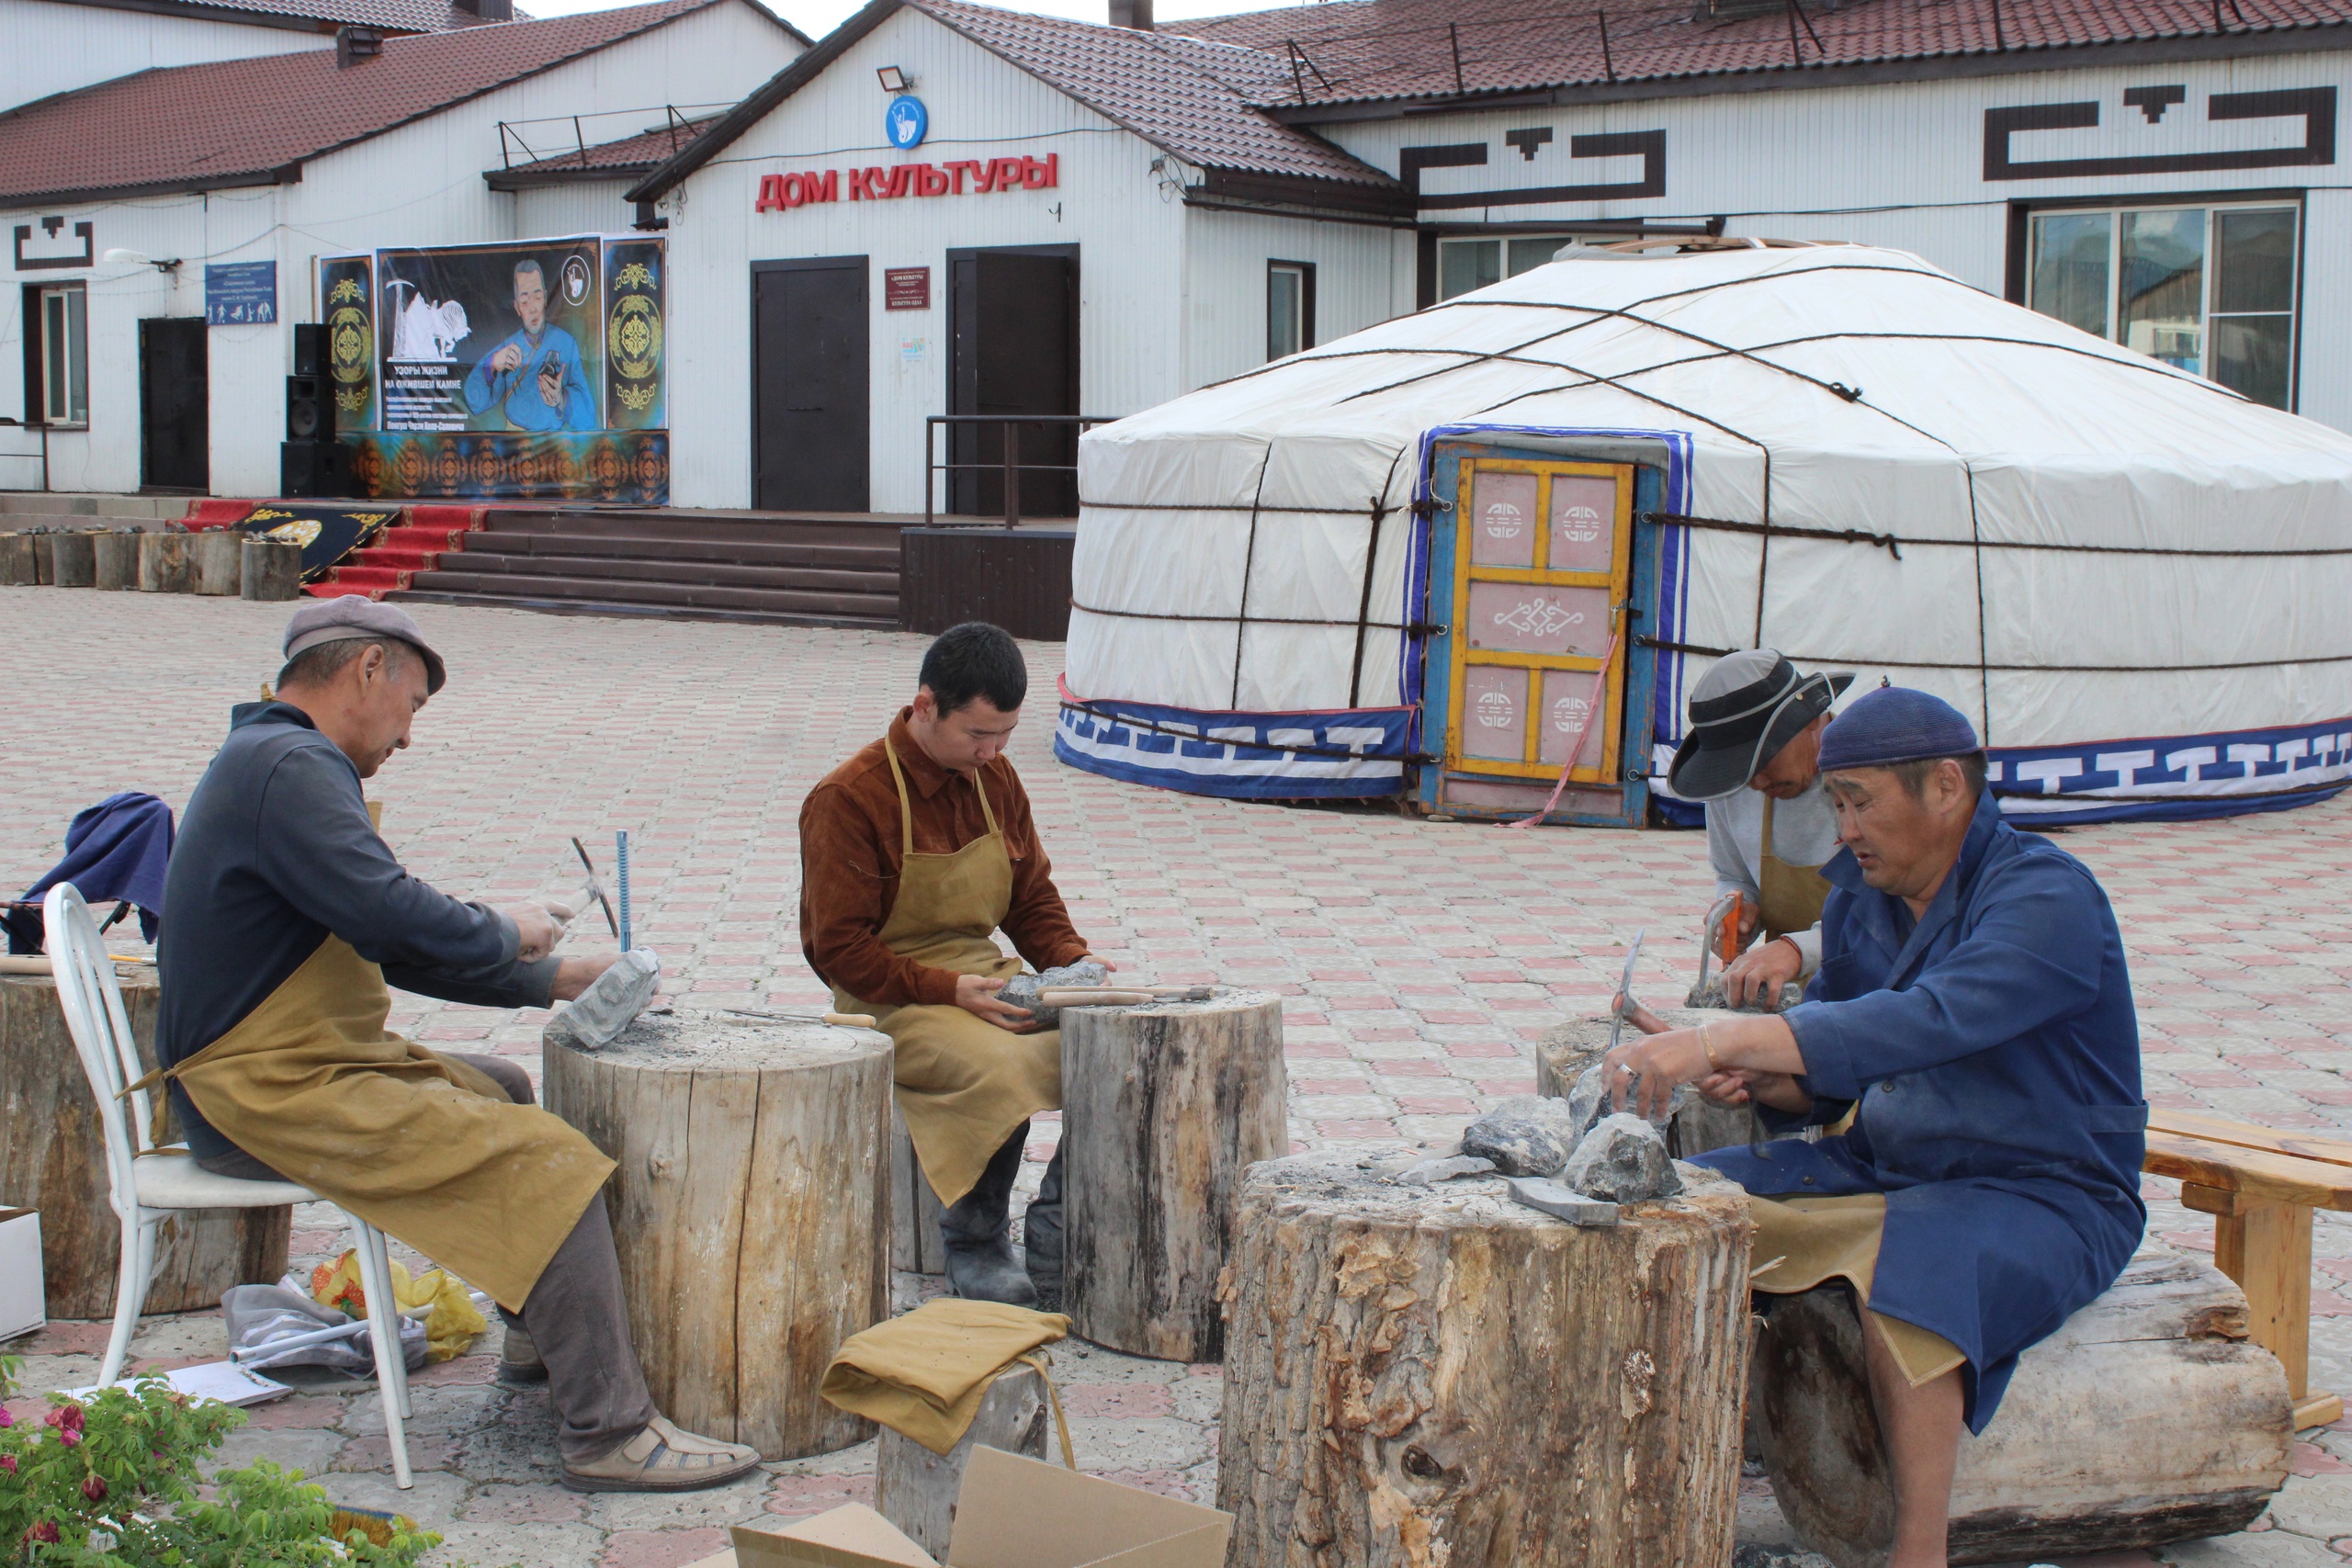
[112, 1482]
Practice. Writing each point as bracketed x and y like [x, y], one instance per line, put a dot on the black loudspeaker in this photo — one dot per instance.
[313, 469]
[309, 416]
[309, 349]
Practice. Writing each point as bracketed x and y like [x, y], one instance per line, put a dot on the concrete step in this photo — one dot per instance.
[866, 557]
[665, 569]
[153, 508]
[628, 608]
[828, 605]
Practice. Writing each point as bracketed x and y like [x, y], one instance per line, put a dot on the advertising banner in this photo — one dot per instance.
[518, 370]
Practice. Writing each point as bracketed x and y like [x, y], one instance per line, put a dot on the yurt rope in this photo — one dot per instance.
[1371, 561]
[1249, 558]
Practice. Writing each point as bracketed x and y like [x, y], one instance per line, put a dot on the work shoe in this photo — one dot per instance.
[1040, 1237]
[519, 1360]
[980, 1264]
[660, 1458]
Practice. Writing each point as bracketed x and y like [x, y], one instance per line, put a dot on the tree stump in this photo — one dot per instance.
[1423, 1375]
[2147, 1418]
[1568, 1048]
[72, 559]
[270, 568]
[216, 562]
[53, 1158]
[916, 1245]
[163, 564]
[916, 1489]
[44, 559]
[752, 1210]
[19, 567]
[115, 560]
[1164, 1107]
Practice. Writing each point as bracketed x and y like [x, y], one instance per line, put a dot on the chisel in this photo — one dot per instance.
[840, 1019]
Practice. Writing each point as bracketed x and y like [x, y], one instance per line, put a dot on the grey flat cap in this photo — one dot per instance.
[356, 615]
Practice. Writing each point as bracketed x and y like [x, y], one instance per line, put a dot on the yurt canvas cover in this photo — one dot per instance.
[1405, 561]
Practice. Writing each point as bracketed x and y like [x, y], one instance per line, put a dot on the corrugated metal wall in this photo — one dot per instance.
[49, 48]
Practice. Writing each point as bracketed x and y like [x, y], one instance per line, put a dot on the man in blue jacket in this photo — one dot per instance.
[1972, 1011]
[535, 377]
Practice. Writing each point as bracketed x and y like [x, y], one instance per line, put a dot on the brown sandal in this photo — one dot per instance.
[662, 1458]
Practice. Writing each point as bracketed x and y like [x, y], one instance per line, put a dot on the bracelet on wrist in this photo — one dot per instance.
[1707, 1044]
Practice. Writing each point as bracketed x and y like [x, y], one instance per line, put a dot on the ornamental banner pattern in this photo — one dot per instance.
[529, 369]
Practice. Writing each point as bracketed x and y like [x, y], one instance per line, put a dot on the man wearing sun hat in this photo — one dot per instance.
[1756, 728]
[290, 917]
[1973, 1014]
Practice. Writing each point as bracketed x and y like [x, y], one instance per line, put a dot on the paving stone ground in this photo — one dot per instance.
[1419, 962]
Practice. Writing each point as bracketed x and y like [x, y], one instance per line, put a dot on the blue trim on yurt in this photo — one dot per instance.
[1339, 753]
[2173, 777]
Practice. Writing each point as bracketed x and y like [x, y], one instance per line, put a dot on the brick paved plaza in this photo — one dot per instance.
[1420, 962]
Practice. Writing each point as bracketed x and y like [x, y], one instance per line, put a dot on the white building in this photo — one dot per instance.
[116, 199]
[55, 46]
[1200, 196]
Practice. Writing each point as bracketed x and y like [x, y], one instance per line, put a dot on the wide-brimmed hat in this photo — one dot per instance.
[1742, 712]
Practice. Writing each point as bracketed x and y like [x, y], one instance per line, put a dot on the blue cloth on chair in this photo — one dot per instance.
[115, 851]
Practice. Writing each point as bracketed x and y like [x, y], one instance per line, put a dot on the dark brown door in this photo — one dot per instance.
[809, 398]
[1012, 321]
[174, 415]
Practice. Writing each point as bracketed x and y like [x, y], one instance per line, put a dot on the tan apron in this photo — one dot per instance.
[1789, 896]
[425, 1149]
[1800, 1242]
[964, 1084]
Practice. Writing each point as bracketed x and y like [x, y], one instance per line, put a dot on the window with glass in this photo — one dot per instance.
[61, 331]
[2211, 290]
[1471, 263]
[1290, 308]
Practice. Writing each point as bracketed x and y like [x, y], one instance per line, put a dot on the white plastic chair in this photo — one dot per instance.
[147, 1183]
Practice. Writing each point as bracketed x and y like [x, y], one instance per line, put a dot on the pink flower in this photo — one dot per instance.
[45, 1531]
[70, 1438]
[6, 1420]
[93, 1488]
[8, 1464]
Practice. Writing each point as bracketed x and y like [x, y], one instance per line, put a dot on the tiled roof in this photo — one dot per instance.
[394, 16]
[629, 155]
[1355, 51]
[1189, 95]
[242, 121]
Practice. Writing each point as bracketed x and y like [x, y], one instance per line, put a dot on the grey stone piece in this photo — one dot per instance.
[1021, 991]
[596, 1018]
[1589, 1102]
[1430, 1172]
[1710, 995]
[1527, 1134]
[1624, 1160]
[1562, 1202]
[1747, 1555]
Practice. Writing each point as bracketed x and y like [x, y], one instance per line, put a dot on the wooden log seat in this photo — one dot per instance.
[2261, 1186]
[916, 1245]
[750, 1211]
[1567, 1048]
[917, 1490]
[53, 1158]
[2147, 1418]
[1422, 1375]
[1164, 1107]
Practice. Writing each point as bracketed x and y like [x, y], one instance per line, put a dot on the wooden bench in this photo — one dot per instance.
[2261, 1186]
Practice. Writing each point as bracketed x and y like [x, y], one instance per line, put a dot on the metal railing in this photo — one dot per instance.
[33, 440]
[1010, 465]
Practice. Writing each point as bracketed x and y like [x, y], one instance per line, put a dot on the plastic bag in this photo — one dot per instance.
[450, 1329]
[259, 1315]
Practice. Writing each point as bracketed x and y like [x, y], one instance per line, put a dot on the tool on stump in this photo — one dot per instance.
[620, 874]
[1622, 1009]
[788, 1015]
[1121, 996]
[1720, 935]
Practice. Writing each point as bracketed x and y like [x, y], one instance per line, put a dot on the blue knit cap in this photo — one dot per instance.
[1895, 724]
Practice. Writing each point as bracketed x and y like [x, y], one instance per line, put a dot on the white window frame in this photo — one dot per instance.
[1302, 322]
[2115, 212]
[65, 399]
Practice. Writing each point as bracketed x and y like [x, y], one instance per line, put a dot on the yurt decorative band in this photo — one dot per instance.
[1282, 756]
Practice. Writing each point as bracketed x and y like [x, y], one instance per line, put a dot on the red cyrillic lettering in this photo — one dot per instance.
[934, 182]
[1041, 173]
[771, 194]
[958, 169]
[902, 180]
[826, 186]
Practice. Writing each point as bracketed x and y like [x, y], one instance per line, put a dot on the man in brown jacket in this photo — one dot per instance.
[912, 854]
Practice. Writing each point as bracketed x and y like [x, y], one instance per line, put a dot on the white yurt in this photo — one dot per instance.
[1475, 555]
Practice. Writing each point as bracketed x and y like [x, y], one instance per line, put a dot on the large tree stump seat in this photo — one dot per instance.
[750, 1211]
[2148, 1417]
[1422, 1375]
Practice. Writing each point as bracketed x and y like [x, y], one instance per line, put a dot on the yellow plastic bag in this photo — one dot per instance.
[450, 1329]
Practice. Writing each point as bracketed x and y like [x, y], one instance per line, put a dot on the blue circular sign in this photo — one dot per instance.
[906, 122]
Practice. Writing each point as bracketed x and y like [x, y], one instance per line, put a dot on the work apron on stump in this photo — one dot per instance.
[1803, 1242]
[964, 1085]
[425, 1149]
[1790, 896]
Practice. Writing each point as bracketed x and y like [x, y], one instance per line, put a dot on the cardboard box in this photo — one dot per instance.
[1013, 1513]
[22, 1288]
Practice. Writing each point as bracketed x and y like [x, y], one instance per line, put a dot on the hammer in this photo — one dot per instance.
[593, 892]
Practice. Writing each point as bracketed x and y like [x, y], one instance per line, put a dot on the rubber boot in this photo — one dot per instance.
[1041, 1234]
[980, 1265]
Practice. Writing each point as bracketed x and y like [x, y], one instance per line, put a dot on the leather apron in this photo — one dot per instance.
[425, 1149]
[1802, 1242]
[1789, 896]
[964, 1085]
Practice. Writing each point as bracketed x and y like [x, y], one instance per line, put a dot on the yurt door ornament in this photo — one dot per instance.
[1543, 565]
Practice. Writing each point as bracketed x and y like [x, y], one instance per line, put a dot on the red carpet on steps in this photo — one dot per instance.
[400, 552]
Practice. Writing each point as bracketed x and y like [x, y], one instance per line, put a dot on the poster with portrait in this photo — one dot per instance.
[515, 370]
